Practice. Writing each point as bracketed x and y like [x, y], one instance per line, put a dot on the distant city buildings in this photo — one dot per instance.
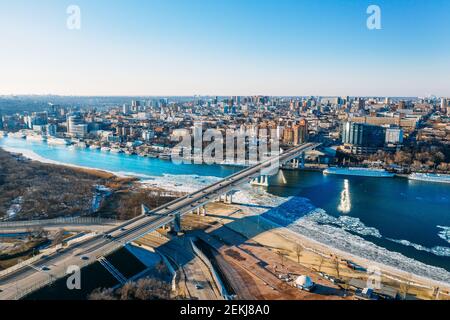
[361, 138]
[354, 125]
[76, 127]
[296, 134]
[37, 119]
[407, 123]
[394, 136]
[444, 105]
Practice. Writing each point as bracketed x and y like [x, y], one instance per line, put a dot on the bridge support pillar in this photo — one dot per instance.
[228, 198]
[203, 211]
[176, 224]
[303, 159]
[261, 181]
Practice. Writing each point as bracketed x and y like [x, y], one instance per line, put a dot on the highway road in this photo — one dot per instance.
[196, 280]
[29, 278]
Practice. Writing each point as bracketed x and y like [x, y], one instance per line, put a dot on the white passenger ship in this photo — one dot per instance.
[362, 172]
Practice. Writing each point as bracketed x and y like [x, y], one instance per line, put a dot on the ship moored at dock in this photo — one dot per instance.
[361, 172]
[430, 177]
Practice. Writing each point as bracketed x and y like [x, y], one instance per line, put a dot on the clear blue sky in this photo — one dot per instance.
[225, 47]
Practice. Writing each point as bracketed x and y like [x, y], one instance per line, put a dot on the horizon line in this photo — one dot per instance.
[210, 95]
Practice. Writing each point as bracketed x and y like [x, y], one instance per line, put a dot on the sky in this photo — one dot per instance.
[225, 47]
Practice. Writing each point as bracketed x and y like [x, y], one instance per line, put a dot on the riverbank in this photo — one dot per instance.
[315, 256]
[28, 154]
[37, 189]
[310, 222]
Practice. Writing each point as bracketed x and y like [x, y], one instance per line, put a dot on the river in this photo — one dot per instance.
[395, 221]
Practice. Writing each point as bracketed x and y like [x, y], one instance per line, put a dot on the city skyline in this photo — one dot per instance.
[171, 48]
[235, 151]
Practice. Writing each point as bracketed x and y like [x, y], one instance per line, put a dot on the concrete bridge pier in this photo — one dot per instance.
[229, 198]
[261, 181]
[201, 211]
[176, 224]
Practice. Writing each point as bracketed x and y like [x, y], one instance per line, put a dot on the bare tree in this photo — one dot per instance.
[59, 237]
[144, 289]
[298, 251]
[321, 261]
[37, 233]
[281, 255]
[337, 266]
[152, 289]
[127, 291]
[102, 294]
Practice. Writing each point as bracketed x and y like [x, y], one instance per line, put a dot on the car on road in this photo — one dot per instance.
[84, 258]
[198, 287]
[45, 268]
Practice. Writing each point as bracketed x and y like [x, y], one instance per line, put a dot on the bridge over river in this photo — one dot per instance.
[18, 282]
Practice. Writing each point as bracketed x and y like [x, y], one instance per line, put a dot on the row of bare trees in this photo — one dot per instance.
[143, 289]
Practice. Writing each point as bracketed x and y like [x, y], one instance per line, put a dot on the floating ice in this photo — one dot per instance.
[445, 233]
[438, 250]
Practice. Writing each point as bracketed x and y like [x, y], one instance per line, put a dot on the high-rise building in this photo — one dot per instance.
[148, 135]
[51, 130]
[361, 104]
[300, 134]
[76, 127]
[394, 136]
[36, 119]
[288, 136]
[363, 138]
[125, 109]
[135, 104]
[443, 105]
